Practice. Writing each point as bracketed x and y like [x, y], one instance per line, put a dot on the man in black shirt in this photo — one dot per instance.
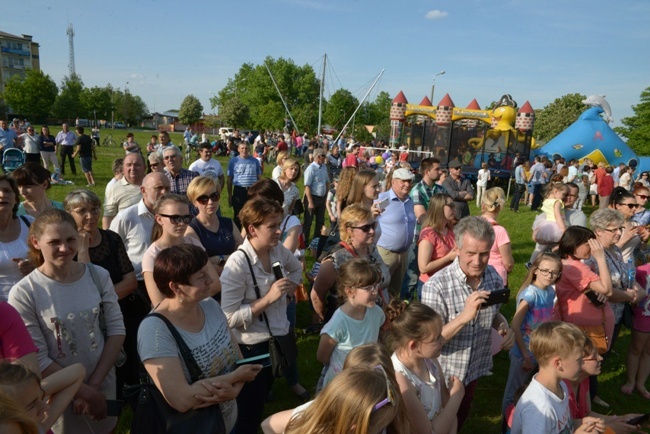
[86, 151]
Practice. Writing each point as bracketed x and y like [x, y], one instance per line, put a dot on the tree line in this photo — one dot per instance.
[37, 97]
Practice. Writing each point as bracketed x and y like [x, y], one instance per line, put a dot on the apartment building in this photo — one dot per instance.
[17, 55]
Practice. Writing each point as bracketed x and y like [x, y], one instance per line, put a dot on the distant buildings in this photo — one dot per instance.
[17, 55]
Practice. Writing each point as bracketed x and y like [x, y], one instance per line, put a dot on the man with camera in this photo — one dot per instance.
[467, 294]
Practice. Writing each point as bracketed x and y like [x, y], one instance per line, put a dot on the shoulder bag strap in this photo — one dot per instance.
[93, 275]
[257, 288]
[186, 354]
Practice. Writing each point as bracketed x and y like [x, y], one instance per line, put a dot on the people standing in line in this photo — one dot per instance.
[243, 171]
[30, 146]
[397, 223]
[86, 151]
[316, 187]
[65, 141]
[460, 189]
[457, 292]
[421, 194]
[482, 180]
[47, 145]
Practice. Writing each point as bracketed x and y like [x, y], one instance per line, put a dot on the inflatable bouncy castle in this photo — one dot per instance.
[469, 135]
[591, 137]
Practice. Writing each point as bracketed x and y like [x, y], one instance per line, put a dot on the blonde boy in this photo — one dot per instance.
[544, 406]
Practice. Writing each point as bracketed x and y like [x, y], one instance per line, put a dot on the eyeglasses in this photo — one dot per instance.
[629, 205]
[204, 198]
[169, 157]
[154, 165]
[390, 398]
[590, 359]
[613, 231]
[642, 196]
[366, 228]
[178, 219]
[84, 211]
[546, 272]
[371, 288]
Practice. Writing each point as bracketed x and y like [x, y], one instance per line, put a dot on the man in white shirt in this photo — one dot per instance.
[206, 165]
[65, 141]
[126, 191]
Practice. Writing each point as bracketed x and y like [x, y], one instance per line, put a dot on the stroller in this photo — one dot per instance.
[12, 159]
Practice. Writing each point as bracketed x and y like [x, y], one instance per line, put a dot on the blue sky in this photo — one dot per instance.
[535, 51]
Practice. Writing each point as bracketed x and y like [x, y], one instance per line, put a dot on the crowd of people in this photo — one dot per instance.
[406, 289]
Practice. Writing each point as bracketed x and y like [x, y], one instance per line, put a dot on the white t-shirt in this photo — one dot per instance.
[541, 411]
[483, 176]
[210, 168]
[18, 248]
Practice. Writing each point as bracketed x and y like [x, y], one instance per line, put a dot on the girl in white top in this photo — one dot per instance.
[289, 175]
[481, 182]
[415, 334]
[172, 214]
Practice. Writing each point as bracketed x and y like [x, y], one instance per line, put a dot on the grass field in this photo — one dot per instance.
[485, 416]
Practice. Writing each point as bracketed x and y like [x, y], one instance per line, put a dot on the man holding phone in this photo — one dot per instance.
[460, 293]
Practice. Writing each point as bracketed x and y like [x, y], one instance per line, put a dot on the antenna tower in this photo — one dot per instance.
[70, 33]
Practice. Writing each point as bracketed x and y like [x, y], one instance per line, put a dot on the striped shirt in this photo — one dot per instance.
[467, 355]
[244, 171]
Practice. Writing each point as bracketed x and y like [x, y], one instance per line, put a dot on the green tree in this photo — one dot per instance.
[557, 116]
[339, 108]
[190, 111]
[636, 128]
[31, 95]
[234, 113]
[253, 87]
[96, 102]
[68, 104]
[212, 122]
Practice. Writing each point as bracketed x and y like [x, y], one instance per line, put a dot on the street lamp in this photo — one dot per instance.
[433, 86]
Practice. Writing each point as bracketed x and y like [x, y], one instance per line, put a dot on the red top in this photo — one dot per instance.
[15, 340]
[578, 405]
[282, 146]
[606, 185]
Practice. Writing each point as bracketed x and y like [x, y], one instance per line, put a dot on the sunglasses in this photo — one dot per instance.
[178, 219]
[390, 398]
[366, 228]
[169, 157]
[629, 205]
[545, 272]
[204, 198]
[153, 166]
[642, 196]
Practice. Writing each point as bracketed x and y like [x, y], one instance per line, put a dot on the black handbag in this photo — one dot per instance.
[283, 350]
[152, 413]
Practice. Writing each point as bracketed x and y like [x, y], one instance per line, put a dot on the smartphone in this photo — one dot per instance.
[383, 204]
[593, 298]
[278, 271]
[262, 359]
[114, 407]
[639, 420]
[500, 296]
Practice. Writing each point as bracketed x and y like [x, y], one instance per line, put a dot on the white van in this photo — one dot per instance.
[226, 132]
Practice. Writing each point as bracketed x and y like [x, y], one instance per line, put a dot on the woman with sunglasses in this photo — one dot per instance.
[643, 179]
[633, 236]
[172, 216]
[357, 230]
[641, 193]
[217, 234]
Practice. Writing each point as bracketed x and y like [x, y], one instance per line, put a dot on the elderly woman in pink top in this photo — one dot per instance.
[501, 253]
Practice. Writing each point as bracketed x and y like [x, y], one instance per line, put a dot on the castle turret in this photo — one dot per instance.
[525, 118]
[397, 118]
[444, 111]
[473, 105]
